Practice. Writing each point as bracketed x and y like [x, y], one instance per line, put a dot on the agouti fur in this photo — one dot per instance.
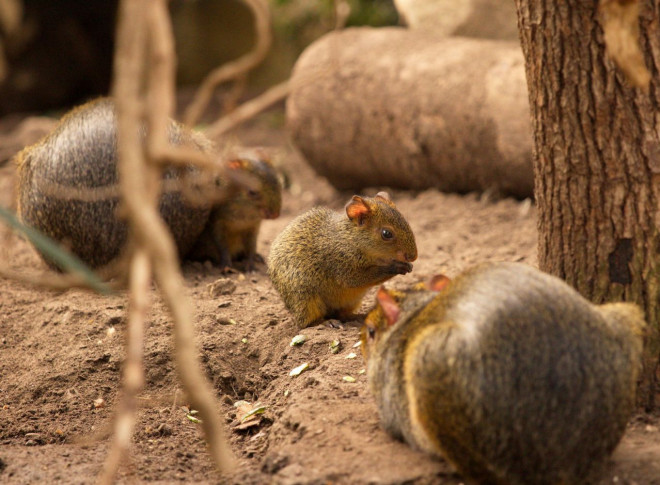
[324, 262]
[82, 153]
[507, 372]
[233, 227]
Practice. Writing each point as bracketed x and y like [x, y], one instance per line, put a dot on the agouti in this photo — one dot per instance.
[233, 227]
[507, 372]
[324, 262]
[81, 153]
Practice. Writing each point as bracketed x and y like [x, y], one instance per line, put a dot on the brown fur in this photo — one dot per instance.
[81, 153]
[508, 373]
[324, 262]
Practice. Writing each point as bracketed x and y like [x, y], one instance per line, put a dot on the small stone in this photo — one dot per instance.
[164, 430]
[222, 286]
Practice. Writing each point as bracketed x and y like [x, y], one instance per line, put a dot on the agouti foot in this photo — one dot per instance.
[228, 270]
[334, 323]
[342, 324]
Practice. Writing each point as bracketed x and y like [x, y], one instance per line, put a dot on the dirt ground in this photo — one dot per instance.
[60, 352]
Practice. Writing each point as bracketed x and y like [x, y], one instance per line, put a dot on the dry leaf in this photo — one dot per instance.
[298, 370]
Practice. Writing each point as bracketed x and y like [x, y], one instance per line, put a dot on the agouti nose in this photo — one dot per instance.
[406, 256]
[270, 213]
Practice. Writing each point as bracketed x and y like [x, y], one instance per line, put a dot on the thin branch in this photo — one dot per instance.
[133, 381]
[129, 70]
[249, 109]
[167, 268]
[234, 69]
[342, 12]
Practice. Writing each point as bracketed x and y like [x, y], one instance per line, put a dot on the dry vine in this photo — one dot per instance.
[144, 61]
[248, 109]
[271, 96]
[235, 69]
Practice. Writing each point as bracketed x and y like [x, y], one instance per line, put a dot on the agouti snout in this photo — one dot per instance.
[324, 262]
[507, 372]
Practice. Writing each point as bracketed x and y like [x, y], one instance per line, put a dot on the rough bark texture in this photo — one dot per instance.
[399, 108]
[597, 160]
[487, 19]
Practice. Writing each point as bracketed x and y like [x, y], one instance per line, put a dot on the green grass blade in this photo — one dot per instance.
[49, 248]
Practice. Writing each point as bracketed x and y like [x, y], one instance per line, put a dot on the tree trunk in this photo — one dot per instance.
[597, 159]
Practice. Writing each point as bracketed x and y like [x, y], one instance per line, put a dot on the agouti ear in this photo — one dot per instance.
[357, 210]
[438, 282]
[390, 307]
[385, 197]
[235, 164]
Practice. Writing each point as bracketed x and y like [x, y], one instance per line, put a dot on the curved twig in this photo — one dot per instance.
[234, 68]
[249, 109]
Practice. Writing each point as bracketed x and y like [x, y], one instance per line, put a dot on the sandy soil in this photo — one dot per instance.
[57, 356]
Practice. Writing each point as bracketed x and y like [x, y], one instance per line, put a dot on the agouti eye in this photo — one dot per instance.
[386, 234]
[371, 333]
[253, 194]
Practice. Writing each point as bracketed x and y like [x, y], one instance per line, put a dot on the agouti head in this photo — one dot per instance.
[261, 198]
[394, 306]
[382, 232]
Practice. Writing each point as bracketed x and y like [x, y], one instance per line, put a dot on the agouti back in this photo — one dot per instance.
[81, 153]
[507, 372]
[324, 262]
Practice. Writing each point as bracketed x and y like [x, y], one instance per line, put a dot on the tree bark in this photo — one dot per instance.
[597, 159]
[400, 108]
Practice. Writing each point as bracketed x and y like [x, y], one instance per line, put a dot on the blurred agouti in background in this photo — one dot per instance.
[324, 262]
[507, 372]
[81, 153]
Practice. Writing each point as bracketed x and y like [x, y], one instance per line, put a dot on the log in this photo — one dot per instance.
[487, 19]
[394, 107]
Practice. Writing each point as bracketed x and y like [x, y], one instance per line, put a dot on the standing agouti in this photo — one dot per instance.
[507, 372]
[324, 262]
[81, 153]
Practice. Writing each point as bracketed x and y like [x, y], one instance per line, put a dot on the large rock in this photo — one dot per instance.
[396, 107]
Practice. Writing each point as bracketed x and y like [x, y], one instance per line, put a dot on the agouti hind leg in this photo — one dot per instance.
[310, 312]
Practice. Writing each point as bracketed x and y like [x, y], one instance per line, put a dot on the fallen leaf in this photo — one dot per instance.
[298, 370]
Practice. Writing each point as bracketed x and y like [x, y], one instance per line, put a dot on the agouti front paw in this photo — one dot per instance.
[251, 262]
[400, 267]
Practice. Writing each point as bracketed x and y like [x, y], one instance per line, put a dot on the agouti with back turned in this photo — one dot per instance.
[324, 262]
[507, 372]
[81, 153]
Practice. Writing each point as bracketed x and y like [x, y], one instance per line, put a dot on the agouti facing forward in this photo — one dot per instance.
[82, 153]
[233, 227]
[324, 262]
[507, 372]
